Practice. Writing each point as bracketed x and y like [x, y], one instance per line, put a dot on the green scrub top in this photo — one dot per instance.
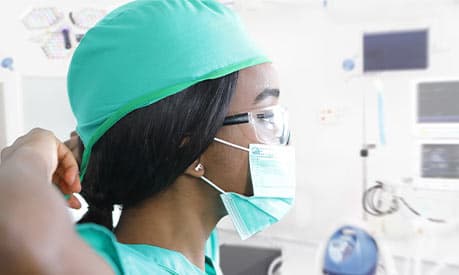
[145, 259]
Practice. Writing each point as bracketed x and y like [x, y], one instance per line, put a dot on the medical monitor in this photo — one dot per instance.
[400, 50]
[437, 109]
[437, 165]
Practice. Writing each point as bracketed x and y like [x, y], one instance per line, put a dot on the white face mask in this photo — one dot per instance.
[272, 169]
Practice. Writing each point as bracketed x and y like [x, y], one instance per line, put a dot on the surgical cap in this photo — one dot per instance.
[147, 50]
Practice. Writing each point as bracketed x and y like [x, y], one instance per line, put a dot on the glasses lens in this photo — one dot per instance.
[271, 125]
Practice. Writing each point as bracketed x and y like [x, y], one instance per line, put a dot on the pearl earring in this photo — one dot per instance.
[198, 167]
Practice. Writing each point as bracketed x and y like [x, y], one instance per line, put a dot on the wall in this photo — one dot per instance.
[38, 82]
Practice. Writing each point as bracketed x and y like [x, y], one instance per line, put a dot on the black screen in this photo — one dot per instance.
[395, 51]
[241, 260]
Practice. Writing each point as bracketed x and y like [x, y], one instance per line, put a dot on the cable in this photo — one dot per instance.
[371, 202]
[419, 214]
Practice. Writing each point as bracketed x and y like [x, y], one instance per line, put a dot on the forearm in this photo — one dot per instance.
[25, 191]
[33, 217]
[36, 232]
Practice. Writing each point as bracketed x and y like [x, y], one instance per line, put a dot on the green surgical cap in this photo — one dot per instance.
[147, 50]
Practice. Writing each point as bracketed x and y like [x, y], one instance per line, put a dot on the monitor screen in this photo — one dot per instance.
[440, 161]
[438, 102]
[403, 50]
[237, 259]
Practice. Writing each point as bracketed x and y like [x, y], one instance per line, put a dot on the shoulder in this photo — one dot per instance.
[121, 258]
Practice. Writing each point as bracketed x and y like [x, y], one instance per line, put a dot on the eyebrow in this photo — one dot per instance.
[265, 94]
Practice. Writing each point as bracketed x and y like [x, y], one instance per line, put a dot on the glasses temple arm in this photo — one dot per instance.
[236, 119]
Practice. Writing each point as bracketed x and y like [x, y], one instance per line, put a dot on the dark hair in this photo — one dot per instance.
[143, 153]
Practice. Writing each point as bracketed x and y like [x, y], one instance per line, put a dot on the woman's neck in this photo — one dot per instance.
[180, 218]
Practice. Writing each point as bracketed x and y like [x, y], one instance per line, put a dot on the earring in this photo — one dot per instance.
[198, 167]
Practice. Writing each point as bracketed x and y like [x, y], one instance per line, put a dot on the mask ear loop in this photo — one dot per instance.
[213, 185]
[231, 144]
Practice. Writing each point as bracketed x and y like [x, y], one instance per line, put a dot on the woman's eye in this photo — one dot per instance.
[268, 115]
[268, 123]
[266, 119]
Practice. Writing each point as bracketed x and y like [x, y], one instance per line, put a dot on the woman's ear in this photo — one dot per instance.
[196, 169]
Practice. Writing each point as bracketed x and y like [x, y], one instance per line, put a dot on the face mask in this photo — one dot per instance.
[272, 170]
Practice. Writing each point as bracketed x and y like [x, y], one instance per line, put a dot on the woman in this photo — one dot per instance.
[173, 104]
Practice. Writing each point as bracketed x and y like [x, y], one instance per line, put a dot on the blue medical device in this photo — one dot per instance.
[351, 251]
[7, 63]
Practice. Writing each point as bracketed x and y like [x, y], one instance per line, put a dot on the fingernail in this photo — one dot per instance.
[74, 178]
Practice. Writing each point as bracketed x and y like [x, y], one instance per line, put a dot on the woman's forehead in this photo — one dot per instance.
[254, 83]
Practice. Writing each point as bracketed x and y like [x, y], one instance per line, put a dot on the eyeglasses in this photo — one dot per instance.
[270, 124]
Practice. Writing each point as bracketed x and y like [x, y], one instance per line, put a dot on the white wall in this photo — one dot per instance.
[308, 43]
[37, 82]
[16, 40]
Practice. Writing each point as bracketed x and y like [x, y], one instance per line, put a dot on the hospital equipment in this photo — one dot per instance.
[254, 260]
[380, 200]
[351, 251]
[422, 230]
[86, 17]
[436, 165]
[56, 33]
[42, 18]
[57, 44]
[366, 146]
[436, 129]
[400, 50]
[348, 64]
[436, 109]
[7, 63]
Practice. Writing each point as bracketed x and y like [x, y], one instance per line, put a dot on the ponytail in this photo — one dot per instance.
[101, 216]
[99, 211]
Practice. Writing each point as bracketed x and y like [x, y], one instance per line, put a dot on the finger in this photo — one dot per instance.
[67, 165]
[70, 175]
[73, 145]
[76, 153]
[63, 187]
[5, 153]
[61, 179]
[72, 141]
[56, 179]
[74, 203]
[68, 197]
[68, 143]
